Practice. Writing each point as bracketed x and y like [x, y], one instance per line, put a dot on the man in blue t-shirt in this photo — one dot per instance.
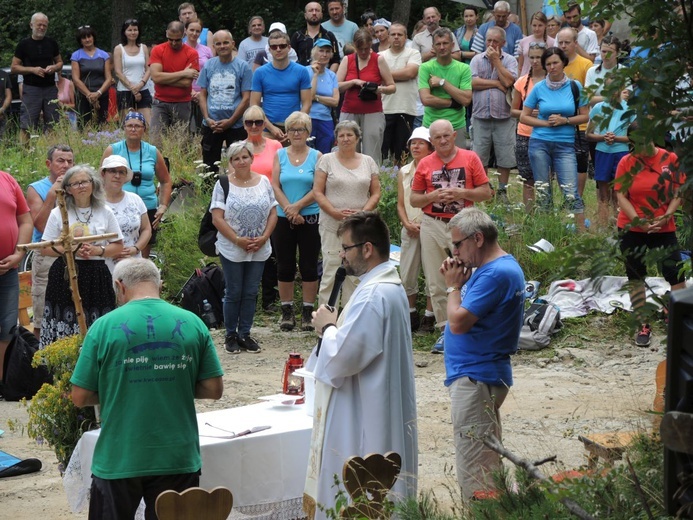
[225, 94]
[281, 87]
[485, 311]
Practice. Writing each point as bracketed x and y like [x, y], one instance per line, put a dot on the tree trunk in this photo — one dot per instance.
[400, 12]
[121, 10]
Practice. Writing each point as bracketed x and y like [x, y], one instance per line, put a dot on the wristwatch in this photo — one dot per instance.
[452, 289]
[441, 82]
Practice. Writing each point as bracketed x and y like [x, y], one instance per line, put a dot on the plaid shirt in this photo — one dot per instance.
[490, 103]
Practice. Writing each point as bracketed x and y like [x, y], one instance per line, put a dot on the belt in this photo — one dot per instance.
[442, 219]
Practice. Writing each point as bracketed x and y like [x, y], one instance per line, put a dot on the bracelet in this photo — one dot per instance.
[99, 92]
[138, 249]
[327, 327]
[103, 251]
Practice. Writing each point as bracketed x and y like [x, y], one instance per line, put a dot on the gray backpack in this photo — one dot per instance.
[541, 321]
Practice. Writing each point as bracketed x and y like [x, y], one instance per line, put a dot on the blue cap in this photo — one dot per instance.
[322, 42]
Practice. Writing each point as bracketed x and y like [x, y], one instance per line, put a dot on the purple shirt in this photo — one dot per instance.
[490, 103]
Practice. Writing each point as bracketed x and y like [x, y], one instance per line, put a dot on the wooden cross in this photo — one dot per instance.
[68, 242]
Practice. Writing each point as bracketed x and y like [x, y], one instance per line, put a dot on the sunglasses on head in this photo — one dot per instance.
[254, 122]
[277, 46]
[537, 45]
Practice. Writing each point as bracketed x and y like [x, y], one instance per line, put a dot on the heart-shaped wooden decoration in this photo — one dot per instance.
[195, 504]
[368, 480]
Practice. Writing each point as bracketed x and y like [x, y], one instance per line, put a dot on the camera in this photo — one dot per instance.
[136, 179]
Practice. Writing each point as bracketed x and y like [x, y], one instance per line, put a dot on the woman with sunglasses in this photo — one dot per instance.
[91, 75]
[147, 163]
[345, 183]
[131, 65]
[245, 219]
[264, 152]
[356, 73]
[539, 35]
[87, 214]
[297, 220]
[128, 208]
[521, 89]
[551, 146]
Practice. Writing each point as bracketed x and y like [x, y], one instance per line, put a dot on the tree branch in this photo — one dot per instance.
[493, 443]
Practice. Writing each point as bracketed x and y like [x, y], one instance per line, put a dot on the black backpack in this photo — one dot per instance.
[21, 380]
[204, 284]
[207, 237]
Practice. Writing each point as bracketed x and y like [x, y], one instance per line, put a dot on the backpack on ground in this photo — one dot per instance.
[207, 236]
[542, 319]
[21, 380]
[204, 284]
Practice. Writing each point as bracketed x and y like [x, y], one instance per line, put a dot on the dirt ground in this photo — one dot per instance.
[592, 386]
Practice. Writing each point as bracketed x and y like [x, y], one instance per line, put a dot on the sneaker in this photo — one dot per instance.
[642, 338]
[428, 324]
[307, 318]
[415, 321]
[288, 321]
[439, 347]
[231, 345]
[249, 344]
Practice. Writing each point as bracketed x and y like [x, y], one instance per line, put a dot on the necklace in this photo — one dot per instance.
[79, 211]
[241, 180]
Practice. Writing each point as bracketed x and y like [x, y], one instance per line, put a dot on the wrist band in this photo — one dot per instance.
[103, 251]
[327, 327]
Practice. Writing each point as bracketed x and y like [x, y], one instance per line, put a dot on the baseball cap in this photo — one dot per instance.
[277, 26]
[322, 42]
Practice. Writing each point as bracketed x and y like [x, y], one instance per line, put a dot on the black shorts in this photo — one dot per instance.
[631, 246]
[151, 213]
[582, 152]
[127, 100]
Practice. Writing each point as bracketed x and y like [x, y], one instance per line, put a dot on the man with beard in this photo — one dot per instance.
[338, 25]
[588, 44]
[423, 41]
[302, 41]
[37, 59]
[365, 398]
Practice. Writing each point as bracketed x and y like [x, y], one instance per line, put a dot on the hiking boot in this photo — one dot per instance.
[415, 320]
[288, 321]
[439, 347]
[249, 345]
[231, 345]
[307, 318]
[428, 324]
[642, 338]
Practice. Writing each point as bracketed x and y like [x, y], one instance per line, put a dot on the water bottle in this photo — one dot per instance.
[208, 316]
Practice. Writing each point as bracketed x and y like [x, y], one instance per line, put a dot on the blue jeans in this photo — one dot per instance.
[9, 302]
[547, 156]
[240, 296]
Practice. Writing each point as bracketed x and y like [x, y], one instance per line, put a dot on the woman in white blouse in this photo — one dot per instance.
[245, 220]
[345, 183]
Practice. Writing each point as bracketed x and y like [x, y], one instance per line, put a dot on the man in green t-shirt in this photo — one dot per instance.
[145, 363]
[445, 86]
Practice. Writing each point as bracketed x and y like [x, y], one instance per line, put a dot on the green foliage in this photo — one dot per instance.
[52, 416]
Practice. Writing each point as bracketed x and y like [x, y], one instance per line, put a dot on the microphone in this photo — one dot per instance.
[339, 278]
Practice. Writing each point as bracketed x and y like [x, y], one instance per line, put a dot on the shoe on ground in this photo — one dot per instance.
[249, 345]
[415, 321]
[307, 318]
[643, 337]
[428, 324]
[439, 347]
[288, 321]
[231, 345]
[272, 308]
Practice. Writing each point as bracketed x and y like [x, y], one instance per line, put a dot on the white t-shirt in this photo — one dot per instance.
[403, 101]
[587, 39]
[128, 212]
[84, 222]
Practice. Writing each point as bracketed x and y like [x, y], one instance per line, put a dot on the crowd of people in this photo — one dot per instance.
[306, 120]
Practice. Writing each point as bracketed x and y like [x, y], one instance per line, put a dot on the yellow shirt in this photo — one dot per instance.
[577, 70]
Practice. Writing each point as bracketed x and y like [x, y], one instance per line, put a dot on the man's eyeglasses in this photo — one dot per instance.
[278, 46]
[537, 45]
[457, 244]
[254, 122]
[346, 248]
[79, 184]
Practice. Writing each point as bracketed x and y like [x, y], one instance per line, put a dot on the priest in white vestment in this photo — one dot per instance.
[365, 398]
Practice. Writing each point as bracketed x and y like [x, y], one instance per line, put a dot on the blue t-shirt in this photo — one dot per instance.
[297, 180]
[91, 68]
[495, 294]
[559, 101]
[225, 84]
[42, 187]
[281, 89]
[613, 123]
[143, 161]
[327, 82]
